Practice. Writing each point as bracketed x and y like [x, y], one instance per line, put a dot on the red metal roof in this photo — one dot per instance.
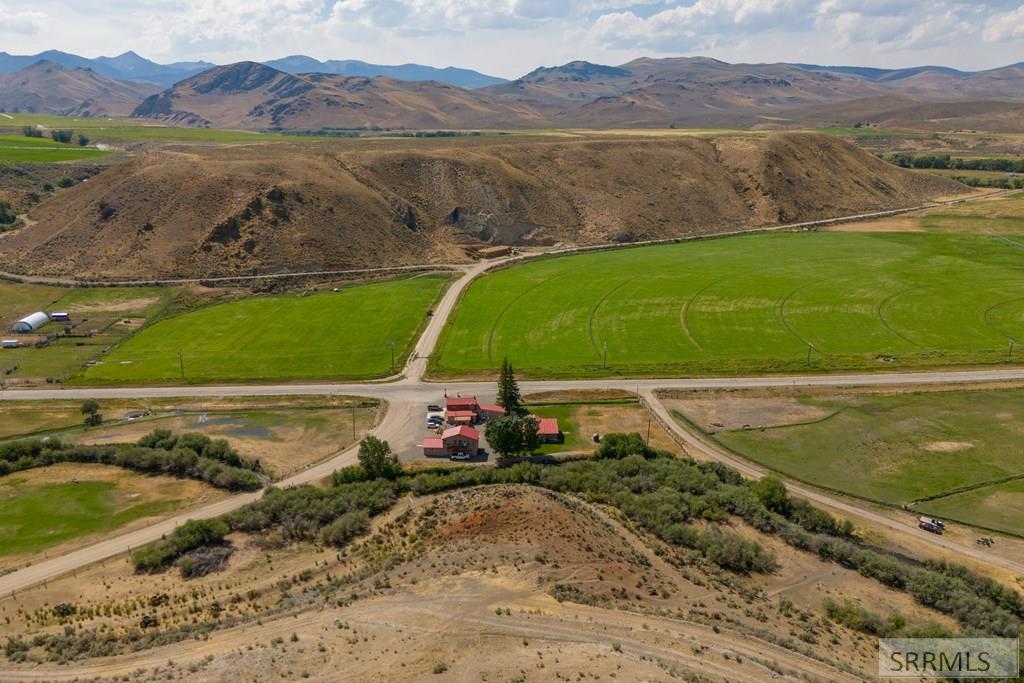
[492, 407]
[433, 442]
[461, 403]
[547, 426]
[460, 413]
[463, 431]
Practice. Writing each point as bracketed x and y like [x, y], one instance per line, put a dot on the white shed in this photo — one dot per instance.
[31, 323]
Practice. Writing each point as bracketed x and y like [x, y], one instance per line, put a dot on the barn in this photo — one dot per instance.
[31, 323]
[547, 430]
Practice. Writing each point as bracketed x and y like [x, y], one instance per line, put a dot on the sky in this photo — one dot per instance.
[511, 37]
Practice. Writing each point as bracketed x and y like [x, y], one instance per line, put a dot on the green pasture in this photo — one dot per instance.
[346, 334]
[127, 130]
[771, 302]
[999, 507]
[953, 454]
[21, 149]
[37, 516]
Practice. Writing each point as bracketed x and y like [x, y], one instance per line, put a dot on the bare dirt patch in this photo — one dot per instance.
[603, 419]
[727, 411]
[114, 306]
[947, 446]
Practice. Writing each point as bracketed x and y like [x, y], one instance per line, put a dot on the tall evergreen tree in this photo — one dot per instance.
[508, 390]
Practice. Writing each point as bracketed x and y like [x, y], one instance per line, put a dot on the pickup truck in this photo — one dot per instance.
[936, 526]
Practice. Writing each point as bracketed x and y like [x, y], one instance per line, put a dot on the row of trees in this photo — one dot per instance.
[190, 456]
[945, 161]
[64, 136]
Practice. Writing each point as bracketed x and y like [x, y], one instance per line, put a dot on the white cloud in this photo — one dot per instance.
[20, 21]
[1005, 26]
[511, 37]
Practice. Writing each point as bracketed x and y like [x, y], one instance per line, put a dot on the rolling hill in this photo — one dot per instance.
[463, 78]
[252, 95]
[264, 208]
[128, 66]
[48, 87]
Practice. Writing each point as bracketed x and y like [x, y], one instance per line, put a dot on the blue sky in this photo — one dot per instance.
[511, 37]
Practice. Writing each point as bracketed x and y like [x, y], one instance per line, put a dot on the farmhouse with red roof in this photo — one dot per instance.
[454, 440]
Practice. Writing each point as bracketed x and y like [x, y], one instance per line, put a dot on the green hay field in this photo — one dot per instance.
[779, 302]
[954, 454]
[27, 150]
[321, 336]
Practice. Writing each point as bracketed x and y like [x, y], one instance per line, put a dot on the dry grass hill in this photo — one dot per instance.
[51, 88]
[505, 583]
[270, 207]
[251, 95]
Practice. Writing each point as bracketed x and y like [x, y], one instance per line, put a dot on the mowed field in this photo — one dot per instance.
[346, 334]
[954, 454]
[768, 302]
[27, 150]
[46, 507]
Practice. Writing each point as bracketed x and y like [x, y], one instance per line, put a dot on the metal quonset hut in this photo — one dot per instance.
[31, 323]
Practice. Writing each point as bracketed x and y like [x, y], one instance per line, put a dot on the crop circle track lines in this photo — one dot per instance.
[593, 311]
[512, 302]
[880, 314]
[987, 319]
[684, 313]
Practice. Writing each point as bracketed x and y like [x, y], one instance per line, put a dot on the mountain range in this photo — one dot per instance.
[299, 92]
[131, 67]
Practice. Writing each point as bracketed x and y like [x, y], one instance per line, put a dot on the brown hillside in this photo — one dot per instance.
[250, 95]
[265, 208]
[48, 87]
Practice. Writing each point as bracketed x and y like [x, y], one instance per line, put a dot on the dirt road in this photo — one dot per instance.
[698, 444]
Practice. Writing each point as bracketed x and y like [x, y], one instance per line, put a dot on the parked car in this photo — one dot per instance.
[936, 526]
[432, 408]
[460, 456]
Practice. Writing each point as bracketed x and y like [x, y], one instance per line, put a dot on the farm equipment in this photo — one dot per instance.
[986, 541]
[935, 526]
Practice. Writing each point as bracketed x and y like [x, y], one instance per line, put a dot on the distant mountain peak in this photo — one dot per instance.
[577, 70]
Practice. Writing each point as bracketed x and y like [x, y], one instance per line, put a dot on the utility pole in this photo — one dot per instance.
[604, 356]
[810, 348]
[648, 431]
[1009, 356]
[181, 365]
[391, 344]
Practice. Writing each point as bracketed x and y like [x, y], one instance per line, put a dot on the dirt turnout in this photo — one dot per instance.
[351, 204]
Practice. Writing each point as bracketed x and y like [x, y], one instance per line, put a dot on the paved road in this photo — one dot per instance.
[402, 424]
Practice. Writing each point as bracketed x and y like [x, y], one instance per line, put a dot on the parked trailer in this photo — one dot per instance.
[10, 343]
[936, 526]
